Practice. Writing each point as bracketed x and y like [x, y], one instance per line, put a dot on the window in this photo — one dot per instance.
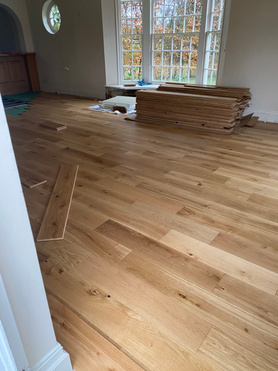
[51, 17]
[213, 40]
[170, 40]
[131, 40]
[176, 27]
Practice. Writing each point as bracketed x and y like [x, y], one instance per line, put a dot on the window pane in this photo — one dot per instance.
[126, 27]
[176, 58]
[192, 78]
[126, 9]
[166, 58]
[157, 60]
[137, 26]
[137, 43]
[190, 7]
[199, 6]
[168, 25]
[186, 42]
[185, 59]
[157, 43]
[126, 42]
[157, 73]
[166, 73]
[180, 7]
[217, 5]
[213, 78]
[137, 59]
[127, 58]
[137, 9]
[167, 43]
[177, 42]
[210, 60]
[193, 61]
[169, 11]
[216, 60]
[137, 73]
[175, 74]
[158, 8]
[197, 26]
[124, 30]
[127, 73]
[184, 74]
[158, 25]
[189, 24]
[194, 42]
[179, 25]
[215, 22]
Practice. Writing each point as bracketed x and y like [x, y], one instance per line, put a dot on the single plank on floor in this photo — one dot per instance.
[55, 219]
[29, 179]
[53, 126]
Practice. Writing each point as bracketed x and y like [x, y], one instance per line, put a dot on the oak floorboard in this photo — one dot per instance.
[233, 354]
[93, 351]
[169, 259]
[181, 265]
[56, 215]
[259, 304]
[258, 329]
[228, 263]
[133, 334]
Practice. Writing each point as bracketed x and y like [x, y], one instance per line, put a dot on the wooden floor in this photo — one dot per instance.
[170, 256]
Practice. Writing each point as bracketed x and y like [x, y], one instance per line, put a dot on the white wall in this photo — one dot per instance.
[72, 60]
[252, 54]
[110, 41]
[19, 8]
[20, 268]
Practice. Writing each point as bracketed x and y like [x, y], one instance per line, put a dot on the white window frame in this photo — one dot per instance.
[46, 10]
[147, 38]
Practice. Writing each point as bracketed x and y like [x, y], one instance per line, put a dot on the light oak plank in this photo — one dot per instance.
[56, 215]
[87, 348]
[260, 330]
[53, 126]
[228, 263]
[233, 354]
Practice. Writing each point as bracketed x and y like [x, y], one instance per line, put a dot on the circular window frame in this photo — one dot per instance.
[46, 10]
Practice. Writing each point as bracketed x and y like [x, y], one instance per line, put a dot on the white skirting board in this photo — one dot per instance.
[11, 331]
[56, 360]
[266, 116]
[7, 362]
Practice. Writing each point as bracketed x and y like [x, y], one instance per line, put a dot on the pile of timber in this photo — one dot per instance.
[215, 109]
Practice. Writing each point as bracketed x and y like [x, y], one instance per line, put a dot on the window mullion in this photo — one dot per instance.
[119, 42]
[202, 44]
[147, 41]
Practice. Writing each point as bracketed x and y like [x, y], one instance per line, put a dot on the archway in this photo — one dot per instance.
[11, 33]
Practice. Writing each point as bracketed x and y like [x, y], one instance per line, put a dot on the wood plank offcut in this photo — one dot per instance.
[55, 219]
[29, 179]
[32, 182]
[53, 126]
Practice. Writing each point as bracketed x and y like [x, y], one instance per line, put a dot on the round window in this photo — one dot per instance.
[51, 16]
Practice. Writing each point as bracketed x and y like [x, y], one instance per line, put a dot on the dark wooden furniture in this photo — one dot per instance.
[18, 73]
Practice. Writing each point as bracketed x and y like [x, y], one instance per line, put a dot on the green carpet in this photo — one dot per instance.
[17, 104]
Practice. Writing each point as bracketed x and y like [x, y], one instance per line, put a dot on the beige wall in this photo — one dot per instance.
[71, 61]
[252, 54]
[19, 8]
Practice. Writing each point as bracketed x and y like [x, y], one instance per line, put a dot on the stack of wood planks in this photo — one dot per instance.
[209, 108]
